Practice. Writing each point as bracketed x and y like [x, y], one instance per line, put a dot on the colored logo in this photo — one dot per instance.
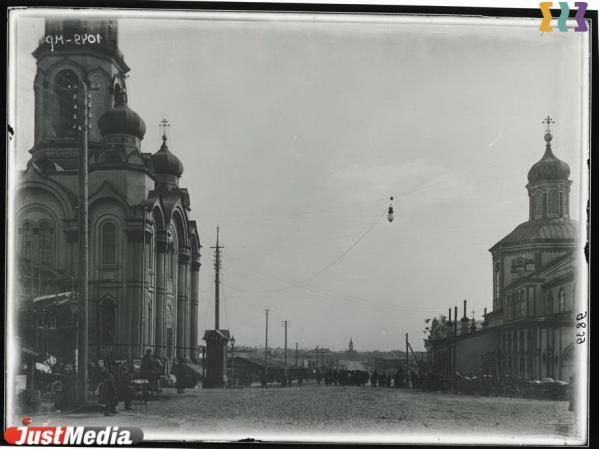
[563, 17]
[72, 435]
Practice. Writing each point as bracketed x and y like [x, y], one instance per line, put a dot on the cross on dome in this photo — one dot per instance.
[548, 122]
[164, 124]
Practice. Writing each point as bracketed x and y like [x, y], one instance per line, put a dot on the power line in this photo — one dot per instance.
[327, 266]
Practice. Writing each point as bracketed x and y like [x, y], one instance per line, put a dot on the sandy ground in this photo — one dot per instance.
[319, 413]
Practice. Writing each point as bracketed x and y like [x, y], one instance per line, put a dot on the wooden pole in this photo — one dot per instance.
[266, 349]
[82, 355]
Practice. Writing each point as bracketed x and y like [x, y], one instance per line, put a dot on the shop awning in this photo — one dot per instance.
[54, 300]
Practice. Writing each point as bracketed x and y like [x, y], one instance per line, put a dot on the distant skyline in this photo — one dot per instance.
[295, 134]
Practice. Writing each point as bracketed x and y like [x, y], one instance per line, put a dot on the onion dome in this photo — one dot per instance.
[549, 168]
[122, 120]
[166, 162]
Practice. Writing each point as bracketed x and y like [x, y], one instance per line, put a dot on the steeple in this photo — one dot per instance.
[72, 52]
[167, 166]
[548, 184]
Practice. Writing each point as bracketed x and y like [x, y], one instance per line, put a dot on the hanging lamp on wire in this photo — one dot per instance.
[390, 215]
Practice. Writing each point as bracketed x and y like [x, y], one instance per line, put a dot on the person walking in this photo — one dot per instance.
[374, 378]
[108, 394]
[125, 392]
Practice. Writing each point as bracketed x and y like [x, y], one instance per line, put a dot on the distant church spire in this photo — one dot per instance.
[351, 345]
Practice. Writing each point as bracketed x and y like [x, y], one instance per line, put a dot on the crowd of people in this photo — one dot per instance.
[360, 378]
[117, 381]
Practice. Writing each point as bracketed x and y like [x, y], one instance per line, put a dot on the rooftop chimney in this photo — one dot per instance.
[455, 321]
[464, 320]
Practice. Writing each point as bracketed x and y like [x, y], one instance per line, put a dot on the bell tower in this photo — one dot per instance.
[548, 184]
[71, 52]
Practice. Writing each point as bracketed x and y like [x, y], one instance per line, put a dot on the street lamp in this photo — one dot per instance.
[390, 215]
[232, 360]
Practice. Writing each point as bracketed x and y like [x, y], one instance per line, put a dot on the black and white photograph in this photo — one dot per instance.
[298, 224]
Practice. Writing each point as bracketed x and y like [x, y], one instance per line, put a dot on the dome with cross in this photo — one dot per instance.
[549, 168]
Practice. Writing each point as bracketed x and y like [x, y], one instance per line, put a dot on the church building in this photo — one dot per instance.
[530, 331]
[144, 249]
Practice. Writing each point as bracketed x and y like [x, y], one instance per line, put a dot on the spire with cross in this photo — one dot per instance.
[548, 122]
[164, 124]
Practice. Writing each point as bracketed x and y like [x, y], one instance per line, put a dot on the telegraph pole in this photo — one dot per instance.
[217, 267]
[285, 325]
[82, 124]
[407, 361]
[266, 348]
[296, 354]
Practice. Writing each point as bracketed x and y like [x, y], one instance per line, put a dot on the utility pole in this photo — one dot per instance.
[407, 358]
[266, 348]
[82, 123]
[285, 325]
[217, 267]
[296, 354]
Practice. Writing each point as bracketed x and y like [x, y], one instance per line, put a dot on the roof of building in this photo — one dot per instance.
[122, 120]
[216, 334]
[560, 228]
[549, 168]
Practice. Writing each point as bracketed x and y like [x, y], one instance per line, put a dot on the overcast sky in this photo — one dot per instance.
[294, 134]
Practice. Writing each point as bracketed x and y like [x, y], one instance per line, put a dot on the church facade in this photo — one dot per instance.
[530, 332]
[144, 249]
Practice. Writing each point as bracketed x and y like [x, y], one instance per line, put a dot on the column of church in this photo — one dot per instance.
[160, 296]
[193, 316]
[134, 300]
[186, 327]
[182, 297]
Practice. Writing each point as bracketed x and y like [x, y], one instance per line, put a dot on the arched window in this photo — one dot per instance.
[118, 95]
[107, 330]
[521, 343]
[561, 300]
[529, 367]
[108, 243]
[539, 203]
[560, 203]
[169, 330]
[529, 341]
[549, 303]
[553, 202]
[47, 243]
[26, 239]
[522, 311]
[149, 323]
[65, 83]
